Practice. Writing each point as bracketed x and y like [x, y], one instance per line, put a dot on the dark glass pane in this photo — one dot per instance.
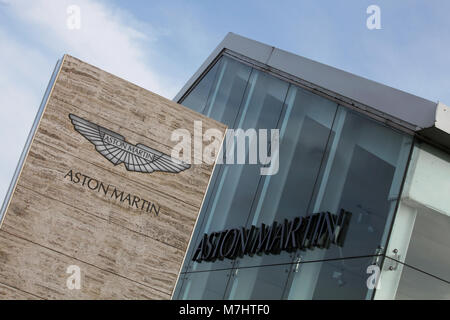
[227, 91]
[204, 285]
[331, 158]
[178, 287]
[260, 283]
[338, 279]
[364, 166]
[235, 187]
[196, 99]
[331, 280]
[227, 81]
[304, 131]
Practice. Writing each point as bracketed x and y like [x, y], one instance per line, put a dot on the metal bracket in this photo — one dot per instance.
[378, 256]
[296, 265]
[394, 261]
[236, 270]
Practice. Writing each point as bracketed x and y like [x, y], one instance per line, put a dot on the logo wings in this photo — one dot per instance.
[113, 147]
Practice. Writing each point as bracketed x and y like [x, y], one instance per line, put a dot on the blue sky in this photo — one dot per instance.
[160, 44]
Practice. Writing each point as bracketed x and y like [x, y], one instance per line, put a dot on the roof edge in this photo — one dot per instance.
[407, 110]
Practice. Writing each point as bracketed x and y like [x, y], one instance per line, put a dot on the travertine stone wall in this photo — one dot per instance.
[52, 222]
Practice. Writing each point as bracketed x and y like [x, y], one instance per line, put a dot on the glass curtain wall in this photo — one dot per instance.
[330, 158]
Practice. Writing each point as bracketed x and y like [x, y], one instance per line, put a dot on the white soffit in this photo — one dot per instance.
[443, 117]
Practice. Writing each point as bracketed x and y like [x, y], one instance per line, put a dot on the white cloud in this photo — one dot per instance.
[24, 76]
[109, 38]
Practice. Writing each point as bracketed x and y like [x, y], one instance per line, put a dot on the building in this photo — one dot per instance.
[357, 208]
[97, 209]
[345, 143]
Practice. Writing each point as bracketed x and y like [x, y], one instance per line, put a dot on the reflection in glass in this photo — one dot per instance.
[337, 279]
[330, 158]
[196, 99]
[364, 162]
[340, 279]
[228, 80]
[304, 131]
[203, 286]
[225, 96]
[260, 283]
[235, 187]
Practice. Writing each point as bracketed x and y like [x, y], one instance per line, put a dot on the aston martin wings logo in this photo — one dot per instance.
[113, 147]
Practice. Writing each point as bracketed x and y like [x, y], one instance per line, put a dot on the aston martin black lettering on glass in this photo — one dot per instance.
[113, 147]
[318, 230]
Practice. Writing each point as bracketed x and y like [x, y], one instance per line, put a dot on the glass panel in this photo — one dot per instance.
[304, 132]
[196, 100]
[331, 159]
[258, 283]
[203, 285]
[235, 188]
[229, 80]
[227, 91]
[331, 280]
[178, 286]
[364, 165]
[339, 279]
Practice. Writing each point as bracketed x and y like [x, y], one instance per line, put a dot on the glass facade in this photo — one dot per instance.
[330, 158]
